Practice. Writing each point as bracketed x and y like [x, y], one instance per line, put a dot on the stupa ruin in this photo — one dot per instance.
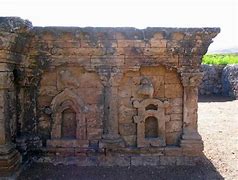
[106, 96]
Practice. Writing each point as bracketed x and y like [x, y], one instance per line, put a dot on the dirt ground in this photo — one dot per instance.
[218, 125]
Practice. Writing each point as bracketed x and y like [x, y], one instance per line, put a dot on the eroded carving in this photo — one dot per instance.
[68, 106]
[67, 79]
[147, 134]
[146, 87]
[191, 79]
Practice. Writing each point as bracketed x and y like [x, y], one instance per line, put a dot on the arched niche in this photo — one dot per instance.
[151, 127]
[151, 107]
[68, 106]
[69, 124]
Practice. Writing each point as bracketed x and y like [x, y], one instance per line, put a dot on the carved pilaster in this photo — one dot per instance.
[9, 156]
[9, 159]
[191, 79]
[191, 140]
[11, 31]
[111, 138]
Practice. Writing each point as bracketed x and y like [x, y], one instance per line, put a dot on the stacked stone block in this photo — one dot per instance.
[12, 38]
[77, 88]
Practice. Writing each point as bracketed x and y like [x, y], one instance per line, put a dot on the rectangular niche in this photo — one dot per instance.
[151, 127]
[68, 124]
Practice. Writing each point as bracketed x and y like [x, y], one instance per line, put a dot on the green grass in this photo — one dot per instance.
[220, 59]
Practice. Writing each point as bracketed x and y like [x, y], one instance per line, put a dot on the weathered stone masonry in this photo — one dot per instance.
[112, 96]
[220, 80]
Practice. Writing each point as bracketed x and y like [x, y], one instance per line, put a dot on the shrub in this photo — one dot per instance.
[220, 59]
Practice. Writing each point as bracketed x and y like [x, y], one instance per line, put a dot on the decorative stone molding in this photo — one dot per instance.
[150, 111]
[191, 141]
[68, 100]
[10, 159]
[191, 79]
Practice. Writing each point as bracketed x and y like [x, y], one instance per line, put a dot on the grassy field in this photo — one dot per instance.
[220, 59]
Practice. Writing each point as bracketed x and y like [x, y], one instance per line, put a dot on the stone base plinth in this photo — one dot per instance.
[66, 147]
[192, 145]
[10, 160]
[172, 155]
[115, 159]
[111, 142]
[67, 143]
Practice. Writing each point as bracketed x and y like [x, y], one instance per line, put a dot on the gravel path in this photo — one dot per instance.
[218, 125]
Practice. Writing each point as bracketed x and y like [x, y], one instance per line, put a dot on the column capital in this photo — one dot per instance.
[6, 80]
[191, 79]
[111, 79]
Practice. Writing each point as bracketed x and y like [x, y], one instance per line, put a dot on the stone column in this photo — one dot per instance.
[111, 112]
[111, 138]
[9, 156]
[11, 45]
[191, 141]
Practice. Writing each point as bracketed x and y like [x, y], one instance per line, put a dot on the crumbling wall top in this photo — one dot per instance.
[130, 33]
[14, 24]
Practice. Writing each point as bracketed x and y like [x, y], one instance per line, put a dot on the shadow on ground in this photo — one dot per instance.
[213, 98]
[202, 171]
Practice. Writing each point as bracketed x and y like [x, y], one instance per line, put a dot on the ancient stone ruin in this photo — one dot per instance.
[106, 96]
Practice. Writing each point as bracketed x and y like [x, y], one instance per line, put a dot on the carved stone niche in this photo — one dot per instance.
[69, 124]
[146, 87]
[150, 122]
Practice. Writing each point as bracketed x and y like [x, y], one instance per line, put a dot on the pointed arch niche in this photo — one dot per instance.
[69, 127]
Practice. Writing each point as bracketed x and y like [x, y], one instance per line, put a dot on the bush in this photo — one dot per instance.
[220, 59]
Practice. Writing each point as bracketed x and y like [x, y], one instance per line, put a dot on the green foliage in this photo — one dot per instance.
[220, 59]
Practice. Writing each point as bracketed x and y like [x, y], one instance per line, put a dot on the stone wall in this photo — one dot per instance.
[230, 81]
[219, 80]
[212, 80]
[90, 91]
